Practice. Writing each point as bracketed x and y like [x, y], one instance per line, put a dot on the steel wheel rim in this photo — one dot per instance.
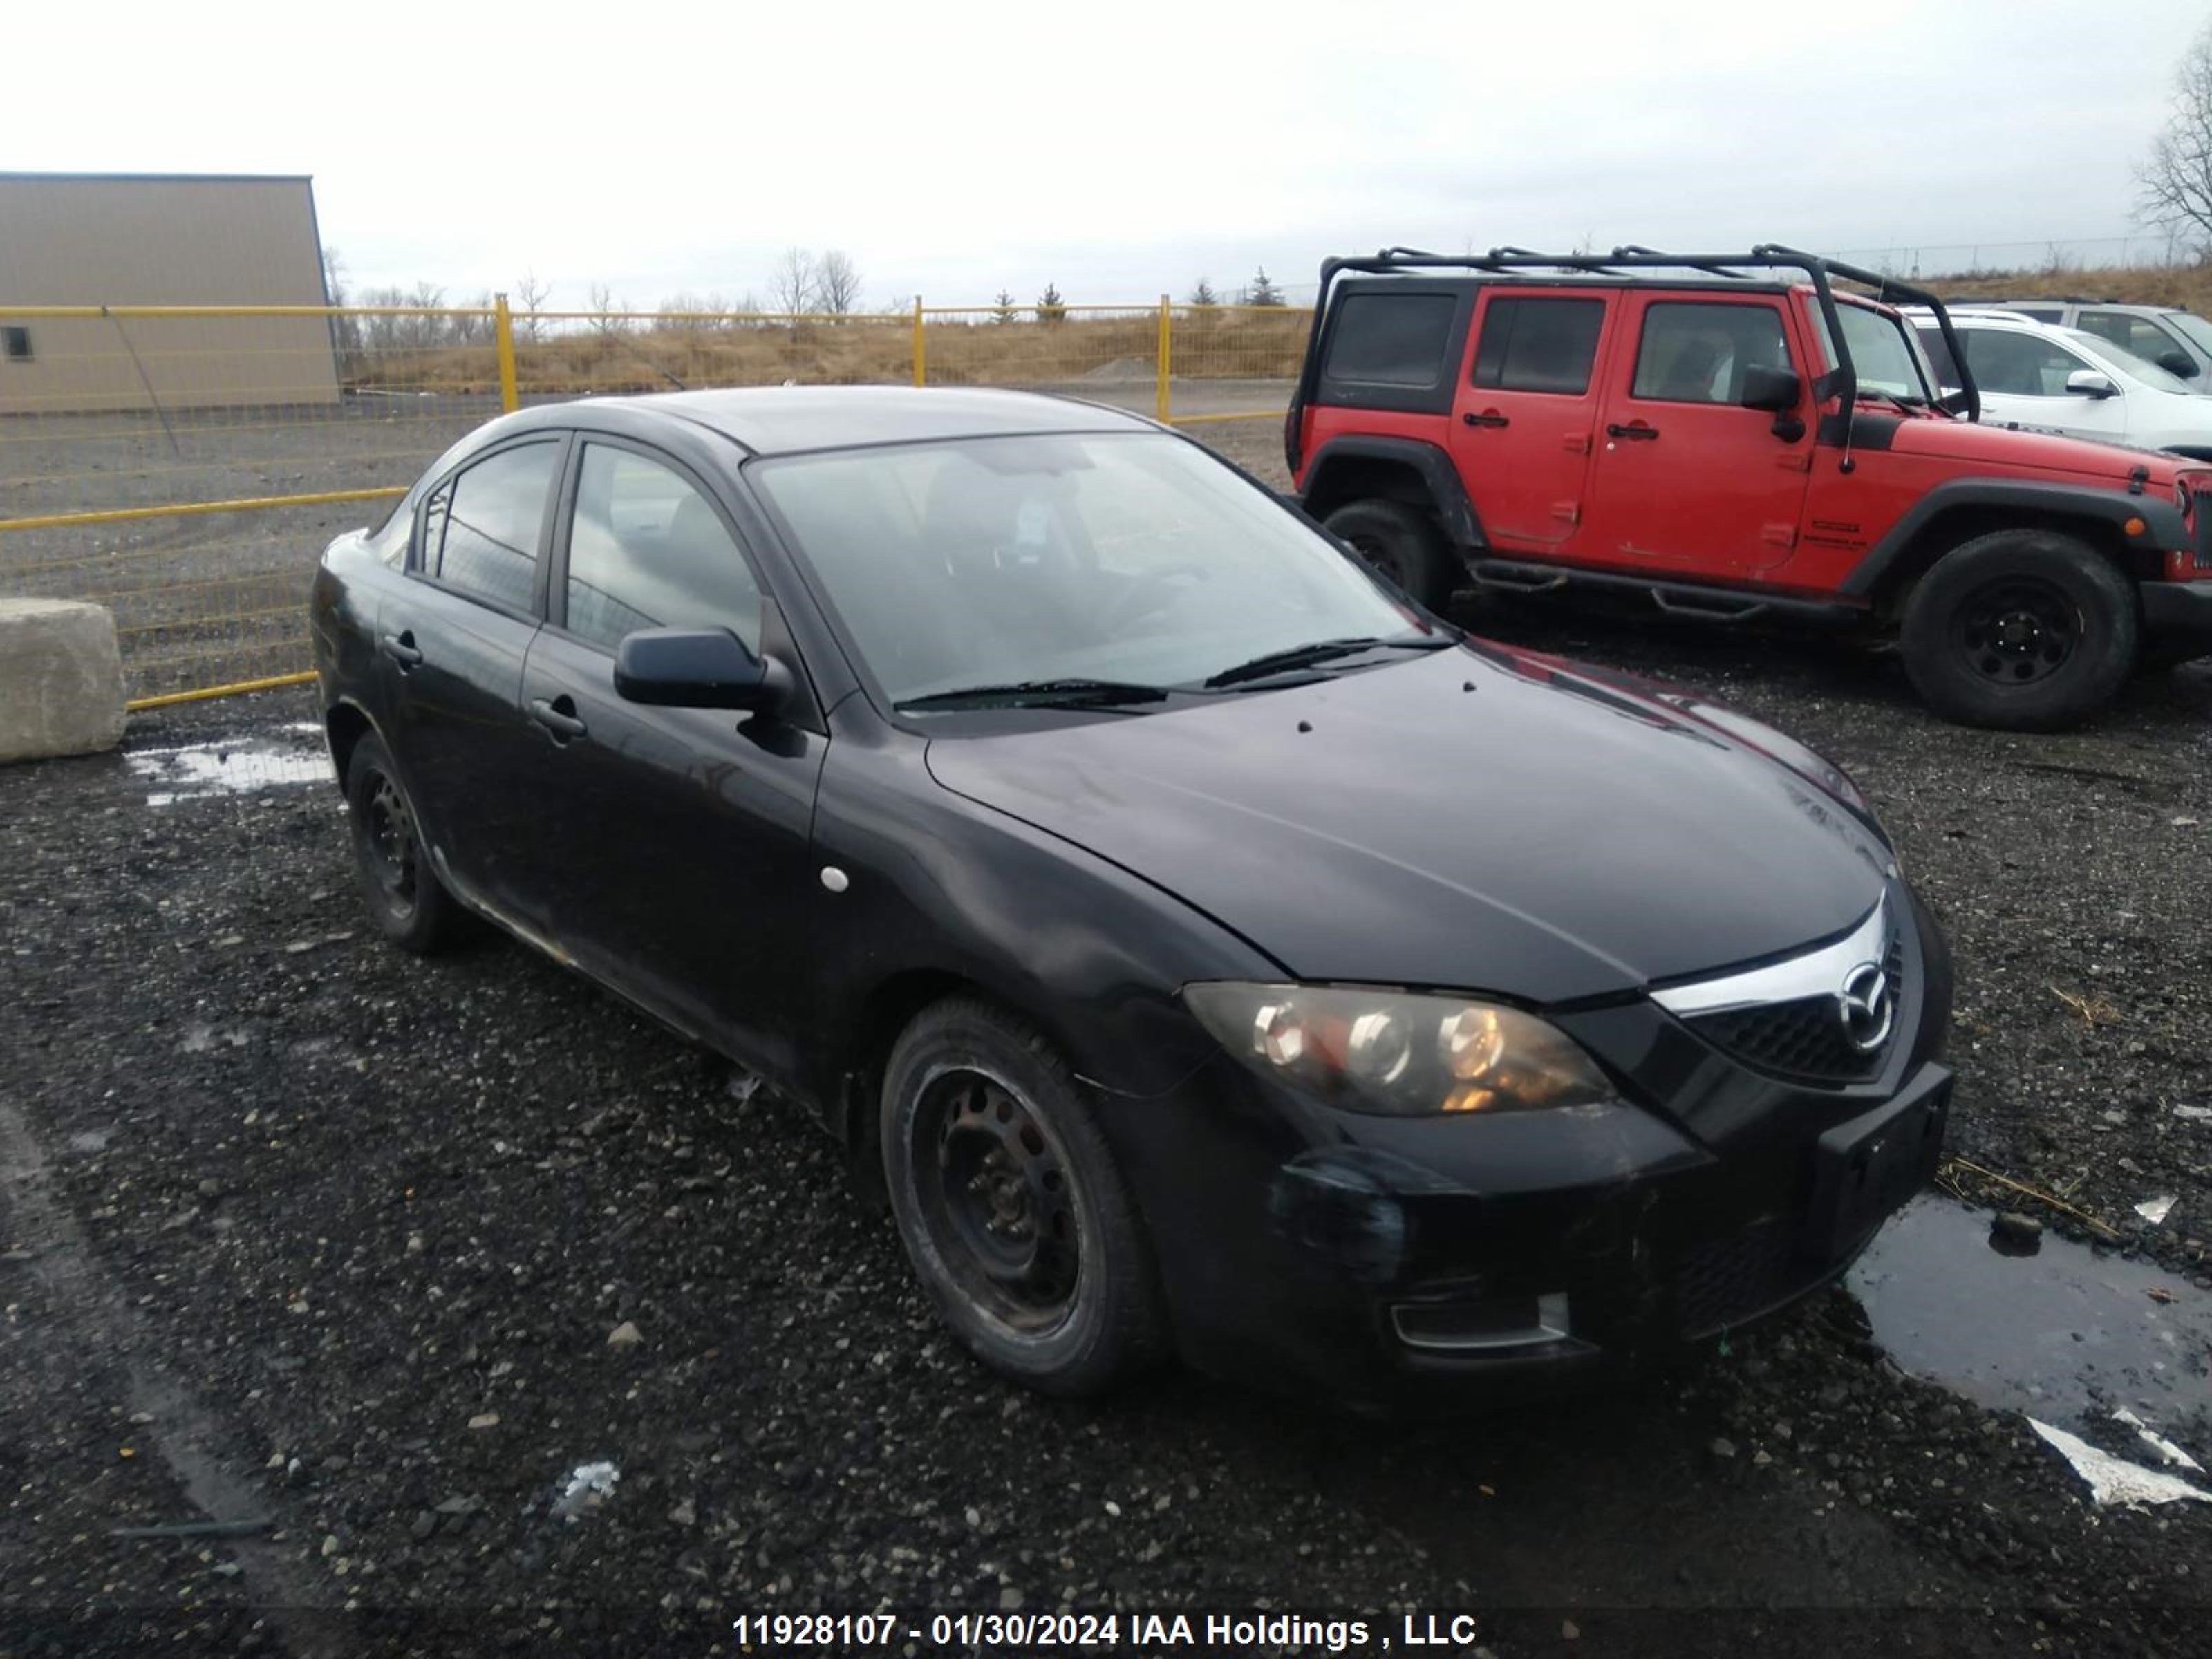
[997, 1201]
[2017, 632]
[388, 837]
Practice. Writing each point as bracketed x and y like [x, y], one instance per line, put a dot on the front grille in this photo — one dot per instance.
[1804, 1040]
[1726, 1281]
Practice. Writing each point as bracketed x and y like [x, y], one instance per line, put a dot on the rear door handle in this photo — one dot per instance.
[400, 648]
[1639, 431]
[558, 716]
[1488, 417]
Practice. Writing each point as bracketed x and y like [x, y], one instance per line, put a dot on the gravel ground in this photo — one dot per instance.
[295, 1227]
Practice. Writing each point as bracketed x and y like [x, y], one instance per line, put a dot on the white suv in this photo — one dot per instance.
[2061, 380]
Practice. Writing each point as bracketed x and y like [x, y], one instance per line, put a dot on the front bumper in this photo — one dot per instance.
[1392, 1262]
[2177, 613]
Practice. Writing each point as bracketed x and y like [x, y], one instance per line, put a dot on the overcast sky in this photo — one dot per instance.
[952, 148]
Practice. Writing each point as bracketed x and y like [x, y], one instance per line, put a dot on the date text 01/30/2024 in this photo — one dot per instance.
[985, 1631]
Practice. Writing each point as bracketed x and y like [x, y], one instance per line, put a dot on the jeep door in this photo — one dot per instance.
[1686, 475]
[1527, 411]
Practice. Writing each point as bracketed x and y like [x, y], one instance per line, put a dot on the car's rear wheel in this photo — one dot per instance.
[2025, 629]
[1009, 1206]
[1403, 544]
[405, 897]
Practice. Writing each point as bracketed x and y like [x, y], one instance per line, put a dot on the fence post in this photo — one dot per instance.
[920, 377]
[502, 328]
[1167, 330]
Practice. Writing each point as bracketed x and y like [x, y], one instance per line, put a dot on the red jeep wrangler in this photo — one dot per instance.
[1735, 442]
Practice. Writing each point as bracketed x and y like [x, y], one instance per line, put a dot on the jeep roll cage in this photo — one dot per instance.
[1627, 260]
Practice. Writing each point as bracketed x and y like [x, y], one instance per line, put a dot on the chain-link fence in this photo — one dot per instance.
[184, 465]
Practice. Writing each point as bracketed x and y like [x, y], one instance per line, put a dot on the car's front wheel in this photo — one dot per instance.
[1009, 1206]
[405, 897]
[2025, 630]
[1402, 544]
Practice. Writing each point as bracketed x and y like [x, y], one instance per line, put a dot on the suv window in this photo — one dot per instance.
[2018, 365]
[480, 527]
[1391, 339]
[1531, 344]
[647, 549]
[2139, 335]
[1696, 352]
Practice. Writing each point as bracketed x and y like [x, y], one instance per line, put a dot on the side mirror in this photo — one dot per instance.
[1773, 390]
[2088, 383]
[2177, 363]
[695, 668]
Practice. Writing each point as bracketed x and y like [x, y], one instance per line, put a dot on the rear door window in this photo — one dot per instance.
[2130, 332]
[1697, 352]
[1537, 344]
[481, 528]
[647, 550]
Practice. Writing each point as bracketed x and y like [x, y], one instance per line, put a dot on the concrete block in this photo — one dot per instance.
[61, 680]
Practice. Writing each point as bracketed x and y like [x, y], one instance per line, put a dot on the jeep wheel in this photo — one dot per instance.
[2025, 630]
[1402, 546]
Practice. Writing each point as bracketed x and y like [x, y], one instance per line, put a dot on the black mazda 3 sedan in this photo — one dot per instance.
[1209, 952]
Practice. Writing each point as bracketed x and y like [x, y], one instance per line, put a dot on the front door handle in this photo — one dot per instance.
[1639, 431]
[400, 648]
[558, 716]
[1488, 417]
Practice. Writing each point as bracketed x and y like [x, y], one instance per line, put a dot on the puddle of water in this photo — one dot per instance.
[2065, 1335]
[232, 766]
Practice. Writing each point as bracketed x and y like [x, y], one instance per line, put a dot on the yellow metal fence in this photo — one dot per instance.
[184, 464]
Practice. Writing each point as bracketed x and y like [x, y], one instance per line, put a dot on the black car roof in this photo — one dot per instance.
[783, 420]
[1371, 281]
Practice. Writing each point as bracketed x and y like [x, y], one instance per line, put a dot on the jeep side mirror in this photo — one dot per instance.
[1773, 390]
[695, 668]
[2088, 383]
[2177, 363]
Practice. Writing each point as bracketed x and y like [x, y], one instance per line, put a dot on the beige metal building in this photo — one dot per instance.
[159, 239]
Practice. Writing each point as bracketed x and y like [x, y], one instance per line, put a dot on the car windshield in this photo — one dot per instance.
[1883, 354]
[2191, 326]
[2121, 358]
[1066, 563]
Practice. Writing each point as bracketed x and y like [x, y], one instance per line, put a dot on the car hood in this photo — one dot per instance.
[1990, 442]
[1476, 819]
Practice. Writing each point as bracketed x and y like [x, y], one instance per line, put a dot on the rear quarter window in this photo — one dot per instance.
[1396, 349]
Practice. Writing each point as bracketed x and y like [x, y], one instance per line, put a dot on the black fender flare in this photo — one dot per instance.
[1428, 461]
[2164, 530]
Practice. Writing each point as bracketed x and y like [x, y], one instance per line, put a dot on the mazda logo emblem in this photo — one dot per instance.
[1865, 1007]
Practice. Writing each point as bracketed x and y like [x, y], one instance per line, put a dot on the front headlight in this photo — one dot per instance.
[1396, 1052]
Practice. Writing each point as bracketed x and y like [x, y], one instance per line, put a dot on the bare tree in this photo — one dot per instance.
[791, 284]
[606, 311]
[836, 283]
[530, 297]
[345, 332]
[2174, 181]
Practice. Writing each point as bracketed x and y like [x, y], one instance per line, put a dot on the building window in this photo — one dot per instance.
[15, 341]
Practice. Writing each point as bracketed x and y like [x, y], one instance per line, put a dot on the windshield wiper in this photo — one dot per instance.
[1910, 406]
[1320, 651]
[1041, 694]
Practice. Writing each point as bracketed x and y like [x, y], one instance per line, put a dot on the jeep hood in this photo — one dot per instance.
[1475, 819]
[2013, 447]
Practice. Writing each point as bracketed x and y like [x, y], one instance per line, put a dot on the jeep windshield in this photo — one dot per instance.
[1884, 354]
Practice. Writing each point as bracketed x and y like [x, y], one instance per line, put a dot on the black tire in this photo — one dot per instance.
[405, 897]
[1009, 1206]
[2022, 629]
[1403, 544]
